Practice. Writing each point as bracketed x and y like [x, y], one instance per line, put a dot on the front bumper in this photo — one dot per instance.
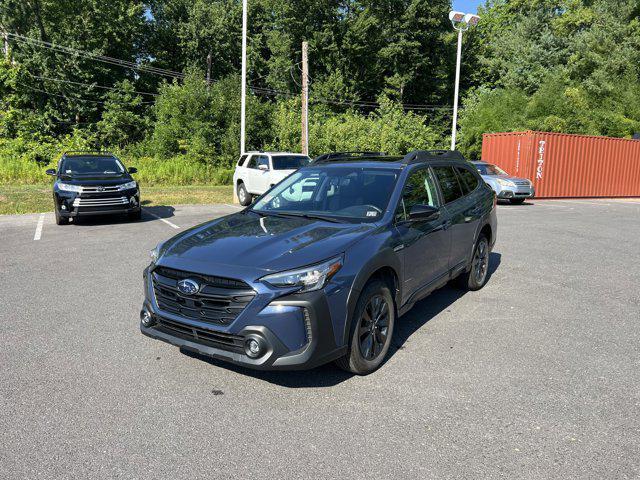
[70, 204]
[507, 193]
[295, 332]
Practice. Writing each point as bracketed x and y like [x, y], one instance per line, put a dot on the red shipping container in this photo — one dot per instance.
[563, 165]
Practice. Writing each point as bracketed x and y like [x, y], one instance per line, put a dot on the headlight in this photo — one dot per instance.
[127, 186]
[65, 187]
[506, 183]
[156, 253]
[308, 279]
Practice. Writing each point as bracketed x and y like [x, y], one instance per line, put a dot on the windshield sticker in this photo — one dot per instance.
[372, 213]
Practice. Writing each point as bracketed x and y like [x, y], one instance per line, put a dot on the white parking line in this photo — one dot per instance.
[38, 233]
[162, 219]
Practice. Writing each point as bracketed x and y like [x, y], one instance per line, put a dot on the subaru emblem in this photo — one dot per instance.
[188, 286]
[100, 189]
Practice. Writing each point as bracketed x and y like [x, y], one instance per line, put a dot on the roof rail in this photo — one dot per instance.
[341, 156]
[418, 156]
[86, 152]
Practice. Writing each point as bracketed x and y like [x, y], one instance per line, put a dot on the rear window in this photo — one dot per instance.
[242, 159]
[449, 184]
[469, 180]
[289, 162]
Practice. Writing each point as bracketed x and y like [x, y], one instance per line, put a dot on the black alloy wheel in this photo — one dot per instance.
[374, 327]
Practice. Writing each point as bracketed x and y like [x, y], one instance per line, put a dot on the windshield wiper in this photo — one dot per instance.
[312, 216]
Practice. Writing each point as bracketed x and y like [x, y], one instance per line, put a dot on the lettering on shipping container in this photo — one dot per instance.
[518, 159]
[540, 159]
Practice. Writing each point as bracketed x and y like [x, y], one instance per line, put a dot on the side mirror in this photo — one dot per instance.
[423, 213]
[263, 167]
[133, 170]
[51, 171]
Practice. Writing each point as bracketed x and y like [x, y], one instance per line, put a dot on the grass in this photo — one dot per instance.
[37, 198]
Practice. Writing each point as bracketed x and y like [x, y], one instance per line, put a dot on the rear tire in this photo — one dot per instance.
[243, 196]
[516, 201]
[60, 220]
[476, 277]
[371, 330]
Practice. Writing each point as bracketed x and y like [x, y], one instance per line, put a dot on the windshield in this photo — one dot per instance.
[91, 165]
[289, 162]
[488, 169]
[346, 193]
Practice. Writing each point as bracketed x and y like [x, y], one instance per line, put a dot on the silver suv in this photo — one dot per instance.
[514, 189]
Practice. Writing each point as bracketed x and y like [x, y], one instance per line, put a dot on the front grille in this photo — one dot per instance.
[522, 182]
[100, 202]
[224, 341]
[99, 189]
[219, 300]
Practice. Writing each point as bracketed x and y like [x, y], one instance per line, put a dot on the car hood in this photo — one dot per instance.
[90, 180]
[247, 242]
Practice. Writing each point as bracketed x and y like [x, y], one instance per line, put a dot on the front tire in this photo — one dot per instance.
[60, 220]
[135, 216]
[371, 330]
[476, 277]
[243, 196]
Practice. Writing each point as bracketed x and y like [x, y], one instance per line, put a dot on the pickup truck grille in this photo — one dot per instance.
[219, 300]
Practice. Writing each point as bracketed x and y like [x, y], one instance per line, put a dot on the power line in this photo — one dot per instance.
[89, 85]
[68, 98]
[97, 57]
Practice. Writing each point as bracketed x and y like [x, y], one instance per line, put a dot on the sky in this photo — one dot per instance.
[467, 6]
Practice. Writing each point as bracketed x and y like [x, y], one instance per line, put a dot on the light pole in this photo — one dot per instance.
[461, 23]
[243, 99]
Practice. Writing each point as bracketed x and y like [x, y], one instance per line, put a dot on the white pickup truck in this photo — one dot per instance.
[257, 172]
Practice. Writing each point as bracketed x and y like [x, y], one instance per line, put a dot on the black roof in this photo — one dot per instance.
[79, 153]
[417, 156]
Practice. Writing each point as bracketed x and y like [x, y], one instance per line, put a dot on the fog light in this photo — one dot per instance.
[146, 318]
[63, 207]
[253, 347]
[132, 201]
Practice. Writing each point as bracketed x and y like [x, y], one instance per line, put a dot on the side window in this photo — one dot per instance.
[449, 184]
[253, 162]
[469, 180]
[263, 160]
[241, 161]
[420, 189]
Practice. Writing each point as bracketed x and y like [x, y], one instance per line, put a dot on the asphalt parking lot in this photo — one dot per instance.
[535, 376]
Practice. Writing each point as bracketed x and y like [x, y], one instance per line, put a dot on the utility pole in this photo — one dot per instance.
[209, 71]
[455, 95]
[5, 37]
[243, 100]
[305, 98]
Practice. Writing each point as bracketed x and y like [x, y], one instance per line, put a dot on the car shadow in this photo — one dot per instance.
[507, 203]
[329, 375]
[149, 214]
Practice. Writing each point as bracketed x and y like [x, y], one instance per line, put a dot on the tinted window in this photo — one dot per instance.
[352, 193]
[420, 189]
[448, 183]
[469, 180]
[263, 160]
[289, 162]
[242, 159]
[91, 165]
[253, 163]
